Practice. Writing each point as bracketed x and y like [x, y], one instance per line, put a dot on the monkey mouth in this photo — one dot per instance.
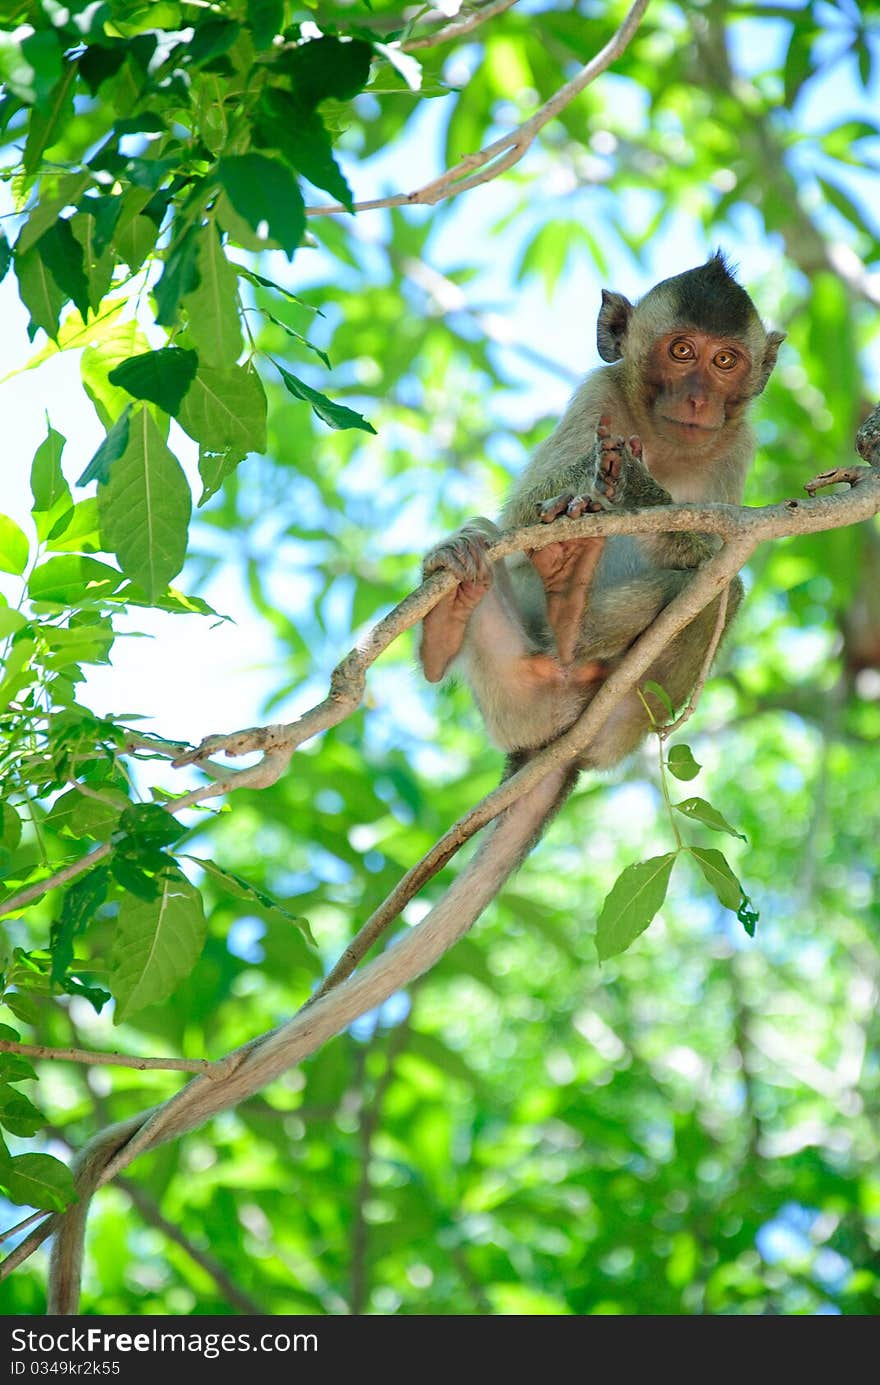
[689, 426]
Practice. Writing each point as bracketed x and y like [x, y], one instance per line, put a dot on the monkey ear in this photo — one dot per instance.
[614, 316]
[774, 341]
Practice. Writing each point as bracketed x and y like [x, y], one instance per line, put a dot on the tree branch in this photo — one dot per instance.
[119, 1060]
[503, 153]
[277, 743]
[458, 28]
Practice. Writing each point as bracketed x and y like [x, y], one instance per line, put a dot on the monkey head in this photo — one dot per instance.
[693, 351]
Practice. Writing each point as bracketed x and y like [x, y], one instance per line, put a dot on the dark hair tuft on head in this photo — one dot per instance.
[709, 297]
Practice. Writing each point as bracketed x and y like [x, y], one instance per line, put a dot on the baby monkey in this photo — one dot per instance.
[664, 421]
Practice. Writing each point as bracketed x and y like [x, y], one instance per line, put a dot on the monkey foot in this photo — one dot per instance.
[615, 458]
[538, 670]
[566, 570]
[466, 557]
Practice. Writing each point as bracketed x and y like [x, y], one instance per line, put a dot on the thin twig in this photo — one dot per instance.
[503, 153]
[22, 1225]
[118, 1060]
[458, 27]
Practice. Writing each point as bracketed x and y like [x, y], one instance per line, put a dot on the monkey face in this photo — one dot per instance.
[696, 383]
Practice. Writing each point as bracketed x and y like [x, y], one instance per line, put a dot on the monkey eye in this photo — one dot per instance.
[681, 350]
[725, 360]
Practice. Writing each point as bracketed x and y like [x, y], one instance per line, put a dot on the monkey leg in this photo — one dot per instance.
[443, 628]
[525, 694]
[567, 568]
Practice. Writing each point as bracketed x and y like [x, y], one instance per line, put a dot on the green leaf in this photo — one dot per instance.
[151, 823]
[298, 337]
[799, 65]
[37, 1180]
[48, 485]
[110, 450]
[11, 621]
[75, 815]
[81, 903]
[48, 120]
[329, 67]
[43, 51]
[304, 142]
[10, 826]
[267, 195]
[74, 985]
[19, 671]
[24, 1007]
[748, 916]
[63, 256]
[79, 644]
[14, 547]
[162, 376]
[661, 694]
[244, 272]
[39, 293]
[265, 19]
[18, 1115]
[70, 578]
[5, 256]
[719, 875]
[179, 277]
[73, 333]
[681, 762]
[698, 810]
[336, 415]
[631, 904]
[117, 344]
[15, 1068]
[134, 240]
[211, 38]
[157, 943]
[225, 412]
[242, 889]
[76, 531]
[212, 308]
[145, 508]
[48, 209]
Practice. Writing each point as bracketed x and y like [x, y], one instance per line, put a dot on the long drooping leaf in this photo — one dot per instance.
[632, 903]
[157, 943]
[212, 309]
[145, 507]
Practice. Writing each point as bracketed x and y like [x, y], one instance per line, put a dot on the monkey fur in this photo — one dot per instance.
[664, 421]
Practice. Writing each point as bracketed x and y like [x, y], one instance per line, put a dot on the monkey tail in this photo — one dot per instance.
[508, 841]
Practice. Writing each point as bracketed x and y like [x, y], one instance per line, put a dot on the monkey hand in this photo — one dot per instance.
[618, 460]
[464, 554]
[622, 479]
